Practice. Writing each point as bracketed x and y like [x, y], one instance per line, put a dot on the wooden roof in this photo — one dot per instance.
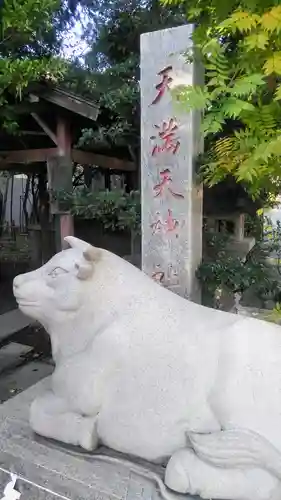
[42, 110]
[66, 100]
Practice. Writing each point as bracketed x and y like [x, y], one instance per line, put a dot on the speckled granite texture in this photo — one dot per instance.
[48, 471]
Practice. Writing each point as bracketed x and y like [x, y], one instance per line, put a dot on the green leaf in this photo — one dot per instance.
[247, 171]
[194, 12]
[211, 47]
[212, 123]
[191, 97]
[240, 21]
[247, 84]
[277, 95]
[271, 20]
[274, 147]
[267, 149]
[273, 64]
[234, 107]
[258, 40]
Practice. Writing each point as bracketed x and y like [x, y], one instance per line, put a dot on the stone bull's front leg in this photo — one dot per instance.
[51, 417]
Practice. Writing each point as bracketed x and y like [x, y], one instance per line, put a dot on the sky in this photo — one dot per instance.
[73, 45]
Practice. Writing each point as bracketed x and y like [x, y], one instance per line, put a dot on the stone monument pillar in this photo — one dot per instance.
[170, 141]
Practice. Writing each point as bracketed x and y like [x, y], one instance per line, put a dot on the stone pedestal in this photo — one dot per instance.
[170, 142]
[49, 471]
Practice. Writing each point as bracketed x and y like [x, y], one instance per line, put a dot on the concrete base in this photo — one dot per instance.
[12, 322]
[48, 471]
[18, 380]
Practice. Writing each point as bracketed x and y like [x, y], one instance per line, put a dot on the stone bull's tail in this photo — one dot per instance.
[237, 448]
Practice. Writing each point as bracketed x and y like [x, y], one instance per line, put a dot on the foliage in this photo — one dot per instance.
[274, 316]
[222, 269]
[24, 53]
[56, 15]
[15, 249]
[80, 80]
[239, 44]
[119, 108]
[272, 239]
[115, 210]
[114, 61]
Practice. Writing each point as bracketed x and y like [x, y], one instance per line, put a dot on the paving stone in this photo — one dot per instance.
[12, 322]
[49, 471]
[12, 354]
[23, 377]
[27, 491]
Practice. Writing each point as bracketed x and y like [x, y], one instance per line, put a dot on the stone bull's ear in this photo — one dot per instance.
[84, 271]
[91, 254]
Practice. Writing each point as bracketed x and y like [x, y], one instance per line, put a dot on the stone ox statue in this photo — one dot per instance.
[148, 373]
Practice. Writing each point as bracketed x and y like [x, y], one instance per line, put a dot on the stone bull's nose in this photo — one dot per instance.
[17, 281]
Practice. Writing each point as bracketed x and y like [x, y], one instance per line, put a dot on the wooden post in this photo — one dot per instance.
[60, 179]
[63, 227]
[63, 137]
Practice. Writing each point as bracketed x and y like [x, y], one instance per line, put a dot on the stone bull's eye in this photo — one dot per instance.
[56, 272]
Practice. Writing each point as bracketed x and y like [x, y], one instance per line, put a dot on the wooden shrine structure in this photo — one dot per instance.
[51, 121]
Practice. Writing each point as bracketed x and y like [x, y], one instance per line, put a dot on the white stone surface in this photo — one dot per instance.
[148, 373]
[48, 471]
[170, 142]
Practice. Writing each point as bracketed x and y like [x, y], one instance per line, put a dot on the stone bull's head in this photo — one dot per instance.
[57, 290]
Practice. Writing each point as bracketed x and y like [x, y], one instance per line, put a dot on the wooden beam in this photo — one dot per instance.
[102, 161]
[36, 133]
[27, 155]
[45, 127]
[25, 108]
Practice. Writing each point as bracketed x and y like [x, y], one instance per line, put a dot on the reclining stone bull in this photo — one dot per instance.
[148, 373]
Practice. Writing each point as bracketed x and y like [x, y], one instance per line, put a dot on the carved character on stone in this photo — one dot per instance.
[148, 373]
[164, 185]
[169, 225]
[169, 142]
[163, 86]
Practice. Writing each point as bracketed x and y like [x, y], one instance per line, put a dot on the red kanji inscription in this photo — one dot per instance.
[156, 225]
[164, 84]
[170, 222]
[171, 277]
[168, 225]
[167, 134]
[158, 276]
[165, 182]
